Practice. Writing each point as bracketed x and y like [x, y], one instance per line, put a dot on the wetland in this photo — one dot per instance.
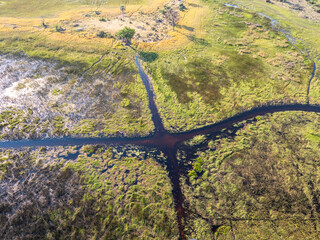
[169, 145]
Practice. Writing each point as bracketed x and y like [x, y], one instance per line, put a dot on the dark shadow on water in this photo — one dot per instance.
[200, 41]
[148, 56]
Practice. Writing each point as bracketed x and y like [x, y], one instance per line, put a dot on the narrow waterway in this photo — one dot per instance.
[152, 105]
[163, 139]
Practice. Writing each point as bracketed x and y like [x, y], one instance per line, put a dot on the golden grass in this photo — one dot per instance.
[192, 18]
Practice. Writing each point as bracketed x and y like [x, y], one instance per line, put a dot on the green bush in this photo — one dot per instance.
[148, 56]
[182, 7]
[101, 34]
[126, 34]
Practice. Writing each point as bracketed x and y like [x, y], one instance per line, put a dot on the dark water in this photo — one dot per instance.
[311, 78]
[152, 105]
[163, 139]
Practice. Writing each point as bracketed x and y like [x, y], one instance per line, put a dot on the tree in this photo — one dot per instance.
[173, 17]
[59, 28]
[126, 35]
[122, 8]
[43, 23]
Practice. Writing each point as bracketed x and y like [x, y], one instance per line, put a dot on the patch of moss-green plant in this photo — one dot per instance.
[259, 183]
[244, 63]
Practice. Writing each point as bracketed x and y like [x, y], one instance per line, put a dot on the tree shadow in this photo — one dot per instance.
[191, 29]
[200, 41]
[148, 56]
[195, 5]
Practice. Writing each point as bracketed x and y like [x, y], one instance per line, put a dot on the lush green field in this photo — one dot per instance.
[305, 29]
[238, 62]
[263, 183]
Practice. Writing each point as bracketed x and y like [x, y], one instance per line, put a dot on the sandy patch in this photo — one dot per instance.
[302, 7]
[150, 26]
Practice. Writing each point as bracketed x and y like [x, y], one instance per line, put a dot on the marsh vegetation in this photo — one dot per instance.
[259, 182]
[99, 194]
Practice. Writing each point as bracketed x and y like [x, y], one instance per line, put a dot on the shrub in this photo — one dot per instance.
[125, 103]
[59, 28]
[101, 34]
[182, 7]
[163, 11]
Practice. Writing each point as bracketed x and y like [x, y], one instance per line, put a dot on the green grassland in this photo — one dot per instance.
[305, 29]
[99, 195]
[32, 8]
[238, 63]
[260, 184]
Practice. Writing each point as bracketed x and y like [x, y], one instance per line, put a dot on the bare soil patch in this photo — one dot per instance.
[149, 26]
[302, 7]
